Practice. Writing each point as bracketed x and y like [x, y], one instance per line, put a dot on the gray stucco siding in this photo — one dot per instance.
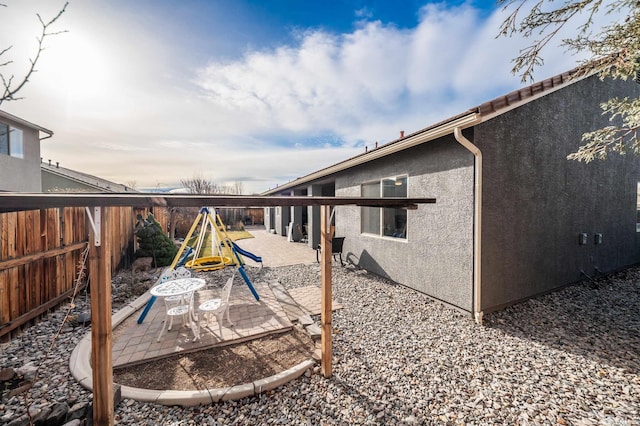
[536, 202]
[437, 256]
[22, 174]
[53, 182]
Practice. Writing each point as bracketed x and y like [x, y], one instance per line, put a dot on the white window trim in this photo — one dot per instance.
[10, 152]
[380, 233]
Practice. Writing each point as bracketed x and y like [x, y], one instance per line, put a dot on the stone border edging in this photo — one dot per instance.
[80, 367]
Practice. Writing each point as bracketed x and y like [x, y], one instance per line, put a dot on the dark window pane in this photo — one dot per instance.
[4, 139]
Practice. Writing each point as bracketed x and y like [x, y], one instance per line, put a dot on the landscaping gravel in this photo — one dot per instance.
[571, 357]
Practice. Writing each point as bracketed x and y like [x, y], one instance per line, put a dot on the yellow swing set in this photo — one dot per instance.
[221, 253]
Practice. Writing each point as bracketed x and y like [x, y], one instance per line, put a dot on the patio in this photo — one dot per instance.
[275, 312]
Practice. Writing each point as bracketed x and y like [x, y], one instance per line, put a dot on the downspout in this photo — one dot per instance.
[477, 222]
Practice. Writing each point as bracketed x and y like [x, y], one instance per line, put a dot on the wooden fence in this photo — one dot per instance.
[41, 252]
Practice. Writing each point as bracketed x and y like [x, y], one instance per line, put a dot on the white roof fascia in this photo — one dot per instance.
[25, 123]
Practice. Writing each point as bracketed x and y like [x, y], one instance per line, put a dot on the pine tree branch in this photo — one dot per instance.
[620, 138]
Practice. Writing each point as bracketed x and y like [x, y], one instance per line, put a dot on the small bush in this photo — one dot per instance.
[154, 242]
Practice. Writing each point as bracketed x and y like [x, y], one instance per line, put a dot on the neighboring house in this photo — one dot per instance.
[61, 179]
[20, 154]
[513, 218]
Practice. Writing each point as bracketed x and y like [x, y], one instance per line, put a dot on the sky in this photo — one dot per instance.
[147, 93]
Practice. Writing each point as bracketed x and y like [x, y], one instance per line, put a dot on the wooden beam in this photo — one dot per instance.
[101, 334]
[22, 319]
[12, 263]
[325, 306]
[13, 201]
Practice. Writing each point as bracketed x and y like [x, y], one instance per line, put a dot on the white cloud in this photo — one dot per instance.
[369, 84]
[125, 108]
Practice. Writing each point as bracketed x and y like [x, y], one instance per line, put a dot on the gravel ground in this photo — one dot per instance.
[571, 357]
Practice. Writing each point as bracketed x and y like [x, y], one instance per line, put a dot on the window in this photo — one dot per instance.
[11, 141]
[371, 215]
[4, 139]
[388, 222]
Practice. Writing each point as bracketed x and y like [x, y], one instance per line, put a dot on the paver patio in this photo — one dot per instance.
[251, 319]
[275, 312]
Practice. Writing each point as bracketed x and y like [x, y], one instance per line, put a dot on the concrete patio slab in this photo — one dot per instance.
[309, 299]
[275, 250]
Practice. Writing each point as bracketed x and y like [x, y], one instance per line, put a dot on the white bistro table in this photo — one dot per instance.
[181, 290]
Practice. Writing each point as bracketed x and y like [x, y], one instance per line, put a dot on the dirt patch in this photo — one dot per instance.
[222, 366]
[218, 367]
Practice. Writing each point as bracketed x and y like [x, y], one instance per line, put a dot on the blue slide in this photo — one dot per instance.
[247, 254]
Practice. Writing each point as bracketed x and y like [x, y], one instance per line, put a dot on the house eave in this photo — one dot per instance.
[97, 187]
[22, 122]
[415, 139]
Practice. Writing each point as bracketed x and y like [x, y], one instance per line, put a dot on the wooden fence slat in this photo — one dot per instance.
[5, 309]
[12, 224]
[54, 225]
[21, 234]
[40, 253]
[19, 261]
[3, 236]
[30, 245]
[14, 293]
[12, 325]
[44, 237]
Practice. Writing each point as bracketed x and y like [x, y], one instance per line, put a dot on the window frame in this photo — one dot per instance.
[14, 145]
[382, 212]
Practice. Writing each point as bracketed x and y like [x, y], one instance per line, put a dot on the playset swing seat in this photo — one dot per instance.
[209, 263]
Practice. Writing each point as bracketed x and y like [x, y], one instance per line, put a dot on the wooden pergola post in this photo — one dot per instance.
[325, 267]
[101, 334]
[100, 259]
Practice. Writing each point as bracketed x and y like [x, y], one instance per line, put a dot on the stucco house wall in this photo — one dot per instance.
[436, 258]
[536, 202]
[53, 182]
[21, 174]
[282, 218]
[56, 178]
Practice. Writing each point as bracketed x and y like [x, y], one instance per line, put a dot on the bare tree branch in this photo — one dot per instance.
[200, 185]
[9, 90]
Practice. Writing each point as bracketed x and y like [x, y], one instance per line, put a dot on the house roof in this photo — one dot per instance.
[469, 118]
[7, 116]
[95, 182]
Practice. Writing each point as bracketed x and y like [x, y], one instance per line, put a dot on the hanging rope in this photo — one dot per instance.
[81, 274]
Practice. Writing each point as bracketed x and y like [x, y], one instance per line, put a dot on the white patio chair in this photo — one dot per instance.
[174, 274]
[177, 306]
[218, 306]
[182, 272]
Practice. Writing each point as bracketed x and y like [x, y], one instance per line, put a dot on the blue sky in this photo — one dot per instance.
[148, 92]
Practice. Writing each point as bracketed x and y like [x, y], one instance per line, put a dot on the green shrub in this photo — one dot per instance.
[153, 242]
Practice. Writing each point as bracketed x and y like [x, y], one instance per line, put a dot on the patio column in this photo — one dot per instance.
[101, 336]
[325, 267]
[313, 217]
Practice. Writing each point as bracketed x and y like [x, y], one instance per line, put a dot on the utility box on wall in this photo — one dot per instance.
[597, 239]
[582, 238]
